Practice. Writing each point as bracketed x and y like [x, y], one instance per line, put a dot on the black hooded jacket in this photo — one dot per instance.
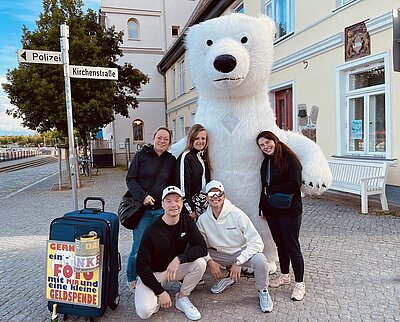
[142, 171]
[288, 182]
[191, 178]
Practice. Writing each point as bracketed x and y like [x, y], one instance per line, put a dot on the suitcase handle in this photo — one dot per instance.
[94, 198]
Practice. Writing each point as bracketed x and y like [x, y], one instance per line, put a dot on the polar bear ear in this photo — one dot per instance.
[268, 23]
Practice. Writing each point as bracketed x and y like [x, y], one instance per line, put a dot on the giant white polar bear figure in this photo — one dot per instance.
[230, 60]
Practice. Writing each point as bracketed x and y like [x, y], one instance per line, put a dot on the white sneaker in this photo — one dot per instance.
[281, 280]
[266, 303]
[222, 285]
[299, 291]
[183, 304]
[131, 286]
[272, 268]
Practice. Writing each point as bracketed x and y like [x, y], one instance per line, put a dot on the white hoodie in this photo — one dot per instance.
[233, 231]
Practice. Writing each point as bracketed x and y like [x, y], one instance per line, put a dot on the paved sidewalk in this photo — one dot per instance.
[351, 262]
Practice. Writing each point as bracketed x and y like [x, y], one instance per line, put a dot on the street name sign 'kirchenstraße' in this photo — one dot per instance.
[93, 72]
[39, 57]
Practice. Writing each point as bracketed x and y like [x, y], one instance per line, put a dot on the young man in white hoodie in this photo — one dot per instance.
[232, 241]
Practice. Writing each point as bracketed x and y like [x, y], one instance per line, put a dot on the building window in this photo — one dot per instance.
[173, 83]
[175, 31]
[366, 111]
[174, 130]
[192, 115]
[138, 130]
[133, 29]
[239, 8]
[282, 12]
[182, 127]
[341, 3]
[182, 77]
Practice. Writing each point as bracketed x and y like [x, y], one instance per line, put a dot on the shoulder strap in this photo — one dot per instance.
[268, 172]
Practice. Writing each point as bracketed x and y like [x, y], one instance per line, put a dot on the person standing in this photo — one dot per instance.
[172, 249]
[152, 169]
[232, 241]
[193, 171]
[281, 173]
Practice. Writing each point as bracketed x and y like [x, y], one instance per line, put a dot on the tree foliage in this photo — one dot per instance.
[37, 90]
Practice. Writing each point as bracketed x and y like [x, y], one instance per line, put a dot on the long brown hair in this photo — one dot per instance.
[280, 148]
[193, 132]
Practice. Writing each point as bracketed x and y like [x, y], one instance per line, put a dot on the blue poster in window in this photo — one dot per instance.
[356, 129]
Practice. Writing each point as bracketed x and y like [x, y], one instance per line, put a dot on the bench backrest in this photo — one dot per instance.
[352, 171]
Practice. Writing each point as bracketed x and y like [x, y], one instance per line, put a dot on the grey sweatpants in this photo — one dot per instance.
[258, 262]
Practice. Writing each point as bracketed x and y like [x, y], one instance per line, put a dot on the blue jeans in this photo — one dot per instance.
[149, 216]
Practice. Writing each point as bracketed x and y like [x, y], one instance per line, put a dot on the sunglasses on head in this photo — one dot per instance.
[215, 194]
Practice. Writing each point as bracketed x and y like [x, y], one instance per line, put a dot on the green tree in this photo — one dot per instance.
[37, 90]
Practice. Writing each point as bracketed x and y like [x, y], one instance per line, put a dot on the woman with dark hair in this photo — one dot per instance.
[193, 171]
[281, 177]
[152, 169]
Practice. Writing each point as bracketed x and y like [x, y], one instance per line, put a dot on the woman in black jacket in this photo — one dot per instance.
[152, 169]
[281, 173]
[193, 171]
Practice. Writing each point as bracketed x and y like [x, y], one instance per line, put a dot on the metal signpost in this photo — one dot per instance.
[62, 58]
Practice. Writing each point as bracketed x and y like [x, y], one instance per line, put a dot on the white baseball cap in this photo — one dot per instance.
[214, 184]
[171, 189]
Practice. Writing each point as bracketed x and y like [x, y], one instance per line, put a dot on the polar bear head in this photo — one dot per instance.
[230, 56]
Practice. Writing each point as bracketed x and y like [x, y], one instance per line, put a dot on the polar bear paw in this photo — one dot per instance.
[316, 180]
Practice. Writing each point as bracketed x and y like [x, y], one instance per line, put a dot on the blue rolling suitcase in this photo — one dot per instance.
[67, 228]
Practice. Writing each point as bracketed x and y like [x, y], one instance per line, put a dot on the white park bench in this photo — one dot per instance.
[360, 177]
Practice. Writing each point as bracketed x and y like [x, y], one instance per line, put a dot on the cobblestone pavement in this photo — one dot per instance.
[351, 261]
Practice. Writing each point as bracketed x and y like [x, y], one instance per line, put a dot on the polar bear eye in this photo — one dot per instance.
[209, 42]
[244, 40]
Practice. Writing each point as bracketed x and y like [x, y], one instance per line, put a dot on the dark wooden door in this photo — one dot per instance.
[283, 109]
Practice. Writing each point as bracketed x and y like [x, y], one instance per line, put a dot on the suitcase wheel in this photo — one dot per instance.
[114, 305]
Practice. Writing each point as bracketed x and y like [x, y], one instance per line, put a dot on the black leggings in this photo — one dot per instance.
[285, 232]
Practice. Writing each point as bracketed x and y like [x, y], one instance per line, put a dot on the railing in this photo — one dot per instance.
[18, 154]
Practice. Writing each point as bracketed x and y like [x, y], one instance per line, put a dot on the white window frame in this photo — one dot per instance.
[173, 83]
[182, 77]
[174, 138]
[239, 8]
[192, 115]
[133, 21]
[182, 127]
[341, 3]
[343, 94]
[290, 14]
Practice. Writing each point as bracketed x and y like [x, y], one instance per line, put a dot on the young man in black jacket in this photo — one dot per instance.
[171, 250]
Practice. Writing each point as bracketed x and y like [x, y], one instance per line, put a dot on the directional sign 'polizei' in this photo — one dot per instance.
[39, 57]
[93, 72]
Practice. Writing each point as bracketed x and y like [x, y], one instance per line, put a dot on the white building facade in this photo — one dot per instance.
[150, 27]
[336, 56]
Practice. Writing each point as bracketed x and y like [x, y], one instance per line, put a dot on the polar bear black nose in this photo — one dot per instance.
[225, 63]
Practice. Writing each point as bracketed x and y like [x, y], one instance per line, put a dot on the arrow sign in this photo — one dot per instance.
[93, 72]
[39, 56]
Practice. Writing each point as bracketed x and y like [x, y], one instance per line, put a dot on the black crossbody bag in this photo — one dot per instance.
[130, 210]
[277, 200]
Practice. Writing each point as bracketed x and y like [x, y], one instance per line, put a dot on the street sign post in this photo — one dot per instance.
[64, 42]
[62, 58]
[39, 57]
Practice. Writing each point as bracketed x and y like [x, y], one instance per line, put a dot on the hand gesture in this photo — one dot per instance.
[215, 269]
[149, 200]
[235, 272]
[165, 300]
[172, 269]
